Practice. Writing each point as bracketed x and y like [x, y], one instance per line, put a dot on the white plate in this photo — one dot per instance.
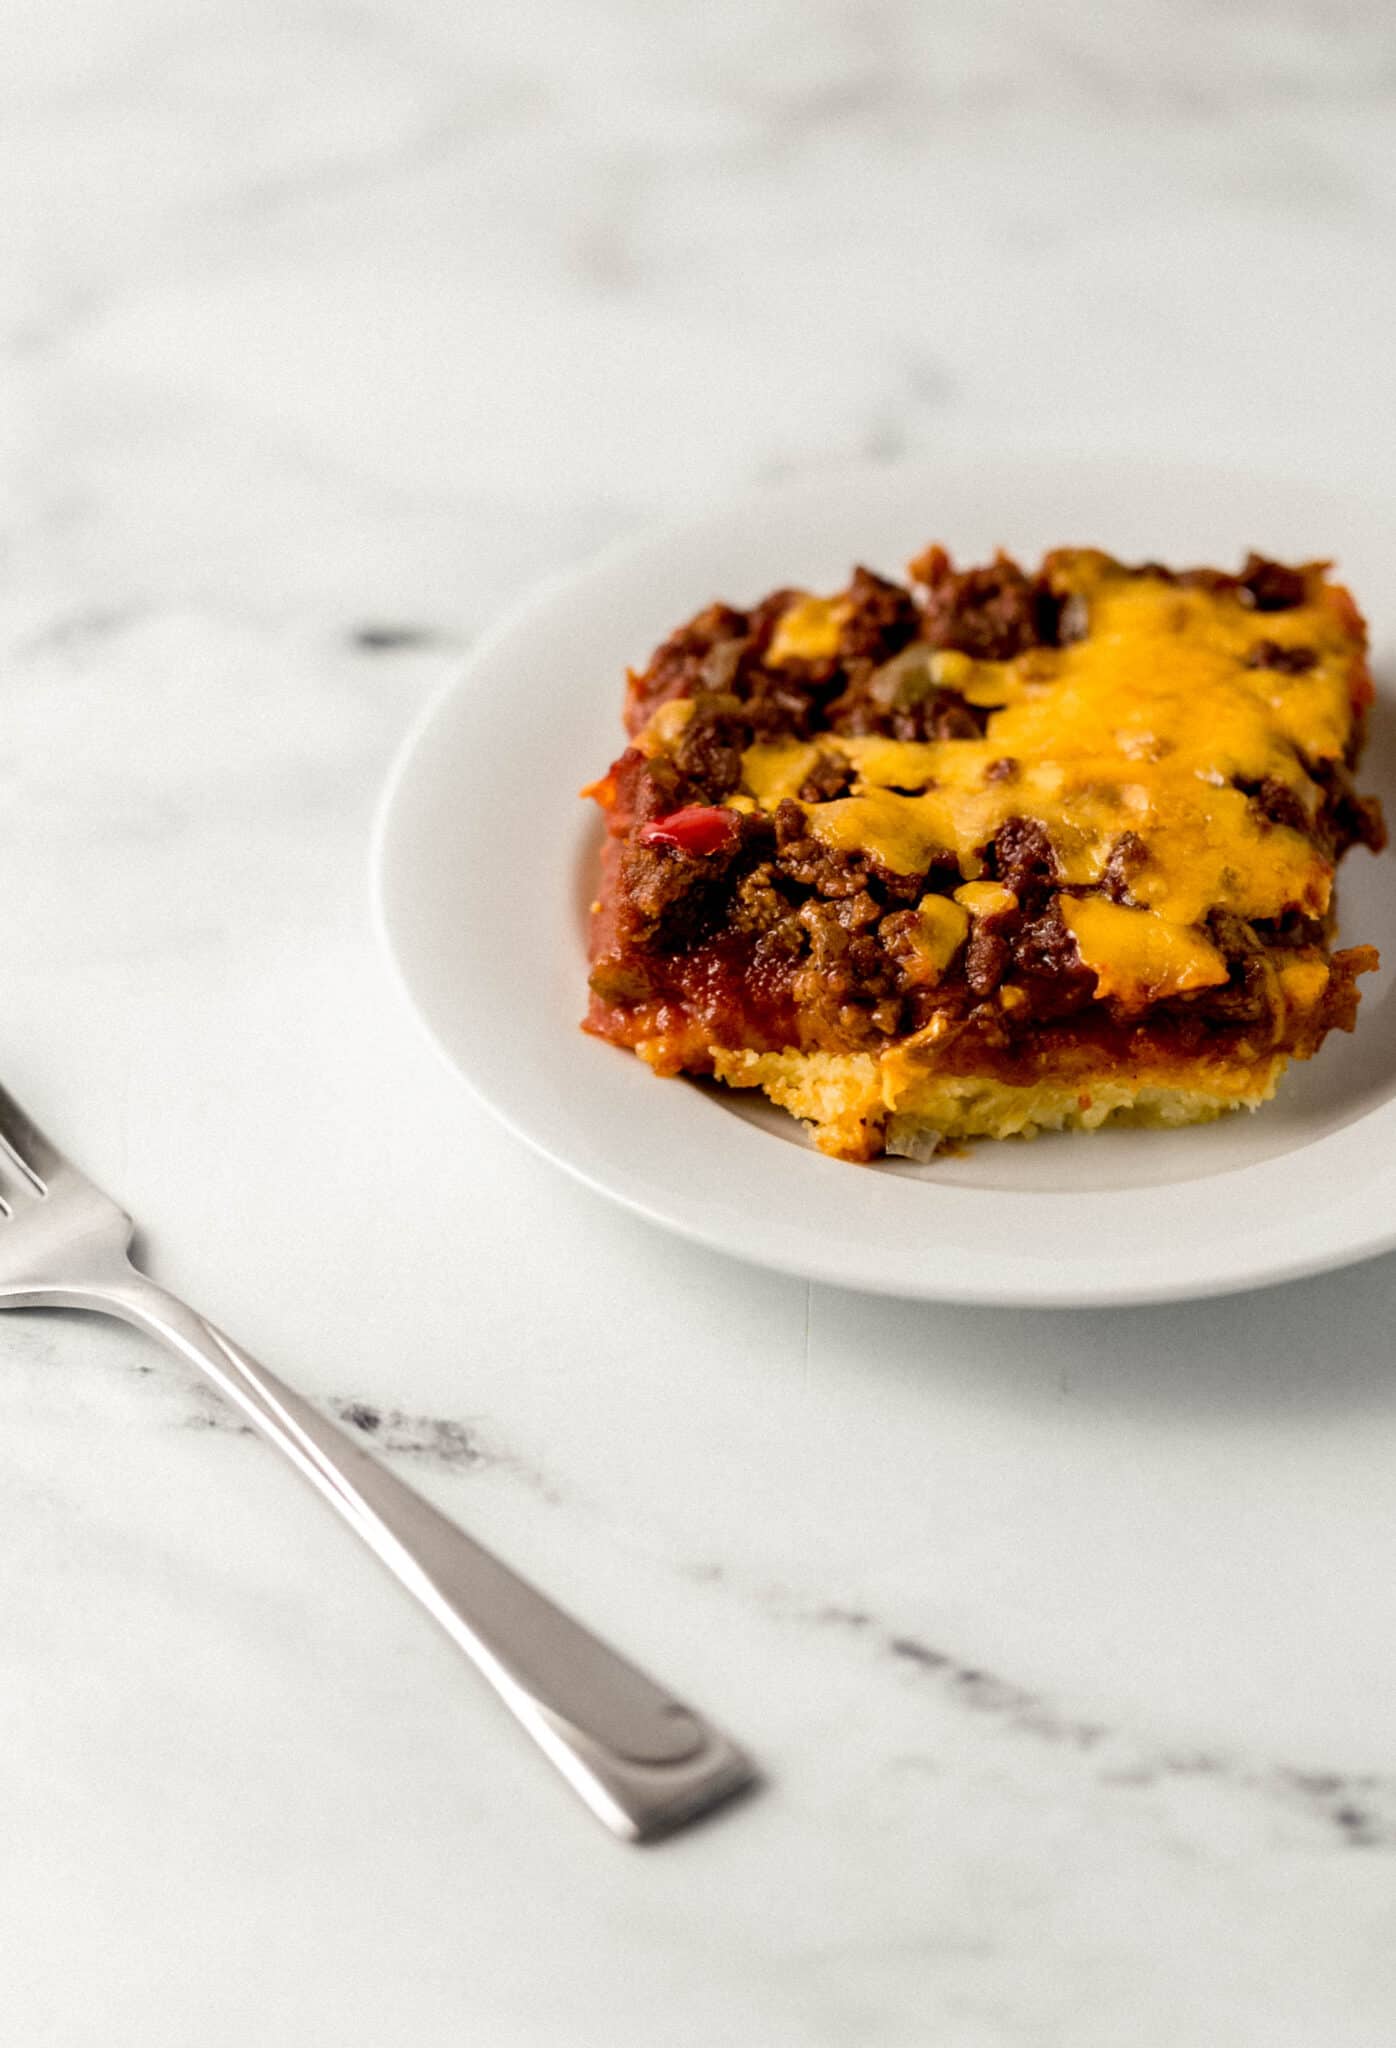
[484, 865]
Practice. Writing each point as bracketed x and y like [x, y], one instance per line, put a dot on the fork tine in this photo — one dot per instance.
[38, 1155]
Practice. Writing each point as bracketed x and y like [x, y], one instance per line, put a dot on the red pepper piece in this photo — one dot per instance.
[698, 828]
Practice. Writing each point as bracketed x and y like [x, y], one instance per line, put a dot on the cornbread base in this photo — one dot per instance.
[856, 1106]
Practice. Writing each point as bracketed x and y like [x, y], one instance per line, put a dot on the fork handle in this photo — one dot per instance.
[643, 1761]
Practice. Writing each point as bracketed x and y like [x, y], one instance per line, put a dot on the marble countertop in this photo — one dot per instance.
[1069, 1641]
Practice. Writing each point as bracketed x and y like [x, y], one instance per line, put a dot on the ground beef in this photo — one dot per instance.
[1243, 1005]
[945, 716]
[1064, 616]
[657, 787]
[881, 620]
[789, 822]
[1047, 966]
[992, 613]
[1361, 822]
[1345, 818]
[899, 932]
[778, 949]
[685, 662]
[900, 698]
[722, 652]
[1287, 661]
[806, 860]
[842, 978]
[766, 617]
[1272, 587]
[1275, 803]
[788, 702]
[806, 920]
[1023, 860]
[1128, 857]
[986, 957]
[1264, 585]
[1295, 929]
[940, 715]
[1248, 996]
[1222, 582]
[668, 894]
[1033, 950]
[759, 904]
[831, 776]
[710, 747]
[675, 899]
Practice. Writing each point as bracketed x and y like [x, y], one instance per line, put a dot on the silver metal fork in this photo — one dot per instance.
[643, 1762]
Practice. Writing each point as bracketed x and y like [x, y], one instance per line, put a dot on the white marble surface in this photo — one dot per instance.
[1069, 1641]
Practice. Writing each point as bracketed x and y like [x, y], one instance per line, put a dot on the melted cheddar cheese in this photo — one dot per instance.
[941, 930]
[1138, 955]
[808, 630]
[1154, 724]
[986, 899]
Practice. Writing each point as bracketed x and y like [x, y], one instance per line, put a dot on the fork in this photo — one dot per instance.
[643, 1762]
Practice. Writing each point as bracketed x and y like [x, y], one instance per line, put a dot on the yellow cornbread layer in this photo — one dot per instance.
[855, 1104]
